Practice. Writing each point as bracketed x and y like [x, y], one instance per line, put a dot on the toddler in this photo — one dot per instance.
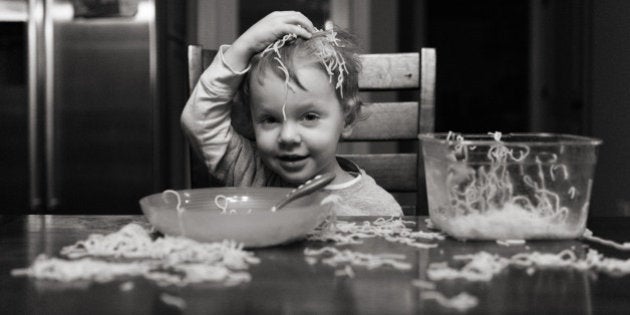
[301, 88]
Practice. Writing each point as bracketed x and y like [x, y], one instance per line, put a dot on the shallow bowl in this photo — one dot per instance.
[235, 213]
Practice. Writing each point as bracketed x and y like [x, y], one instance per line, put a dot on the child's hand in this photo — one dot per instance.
[265, 32]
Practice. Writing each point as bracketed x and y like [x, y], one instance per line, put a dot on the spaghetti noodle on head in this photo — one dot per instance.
[334, 50]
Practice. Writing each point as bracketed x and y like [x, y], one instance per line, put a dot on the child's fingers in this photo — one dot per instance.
[299, 31]
[301, 19]
[294, 17]
[286, 22]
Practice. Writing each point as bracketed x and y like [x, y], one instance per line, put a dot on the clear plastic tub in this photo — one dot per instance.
[511, 186]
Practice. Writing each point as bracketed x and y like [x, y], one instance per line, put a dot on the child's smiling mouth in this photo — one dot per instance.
[291, 157]
[292, 162]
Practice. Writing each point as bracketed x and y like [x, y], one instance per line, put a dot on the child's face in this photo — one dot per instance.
[304, 144]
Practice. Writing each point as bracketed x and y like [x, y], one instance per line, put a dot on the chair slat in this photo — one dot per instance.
[389, 71]
[387, 121]
[396, 172]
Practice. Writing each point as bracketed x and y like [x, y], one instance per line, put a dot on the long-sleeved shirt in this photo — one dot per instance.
[234, 160]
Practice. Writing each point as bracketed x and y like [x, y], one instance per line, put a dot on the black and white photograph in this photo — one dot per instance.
[314, 157]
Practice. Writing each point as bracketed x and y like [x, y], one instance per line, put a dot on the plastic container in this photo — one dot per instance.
[511, 186]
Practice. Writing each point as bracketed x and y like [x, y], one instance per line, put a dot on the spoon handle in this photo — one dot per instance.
[308, 187]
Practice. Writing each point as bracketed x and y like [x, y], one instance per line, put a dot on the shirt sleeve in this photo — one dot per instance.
[206, 118]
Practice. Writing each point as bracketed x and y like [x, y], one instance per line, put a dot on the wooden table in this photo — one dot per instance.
[284, 283]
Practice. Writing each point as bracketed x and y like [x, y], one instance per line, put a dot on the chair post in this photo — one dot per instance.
[195, 68]
[195, 65]
[427, 90]
[426, 117]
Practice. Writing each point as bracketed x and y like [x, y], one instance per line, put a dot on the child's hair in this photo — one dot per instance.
[338, 56]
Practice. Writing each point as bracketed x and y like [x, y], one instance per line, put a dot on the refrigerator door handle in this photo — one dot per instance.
[34, 34]
[51, 190]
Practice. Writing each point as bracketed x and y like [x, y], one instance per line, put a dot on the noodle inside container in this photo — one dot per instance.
[509, 186]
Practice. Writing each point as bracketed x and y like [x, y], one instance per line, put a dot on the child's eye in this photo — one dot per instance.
[267, 120]
[310, 117]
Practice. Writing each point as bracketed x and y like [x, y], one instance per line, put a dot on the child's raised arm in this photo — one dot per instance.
[206, 118]
[265, 32]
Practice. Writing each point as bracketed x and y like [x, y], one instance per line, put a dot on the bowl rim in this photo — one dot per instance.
[281, 191]
[225, 188]
[564, 139]
[165, 220]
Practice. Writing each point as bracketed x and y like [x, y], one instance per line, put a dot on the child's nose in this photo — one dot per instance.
[289, 133]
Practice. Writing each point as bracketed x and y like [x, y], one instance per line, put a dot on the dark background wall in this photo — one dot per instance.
[610, 106]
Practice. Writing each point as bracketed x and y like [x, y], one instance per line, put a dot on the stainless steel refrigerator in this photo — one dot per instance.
[82, 128]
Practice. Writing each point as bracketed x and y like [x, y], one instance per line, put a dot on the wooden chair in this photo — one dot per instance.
[399, 173]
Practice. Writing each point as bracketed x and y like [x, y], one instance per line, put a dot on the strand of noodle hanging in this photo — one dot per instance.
[330, 58]
[588, 235]
[275, 47]
[178, 207]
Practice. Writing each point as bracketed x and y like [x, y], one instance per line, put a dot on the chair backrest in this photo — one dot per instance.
[387, 121]
[399, 173]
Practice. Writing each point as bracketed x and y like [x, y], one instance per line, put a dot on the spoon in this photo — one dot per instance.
[308, 187]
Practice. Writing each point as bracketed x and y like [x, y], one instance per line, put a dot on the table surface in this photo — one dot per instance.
[284, 282]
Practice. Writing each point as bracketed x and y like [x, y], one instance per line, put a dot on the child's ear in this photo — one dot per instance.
[347, 130]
